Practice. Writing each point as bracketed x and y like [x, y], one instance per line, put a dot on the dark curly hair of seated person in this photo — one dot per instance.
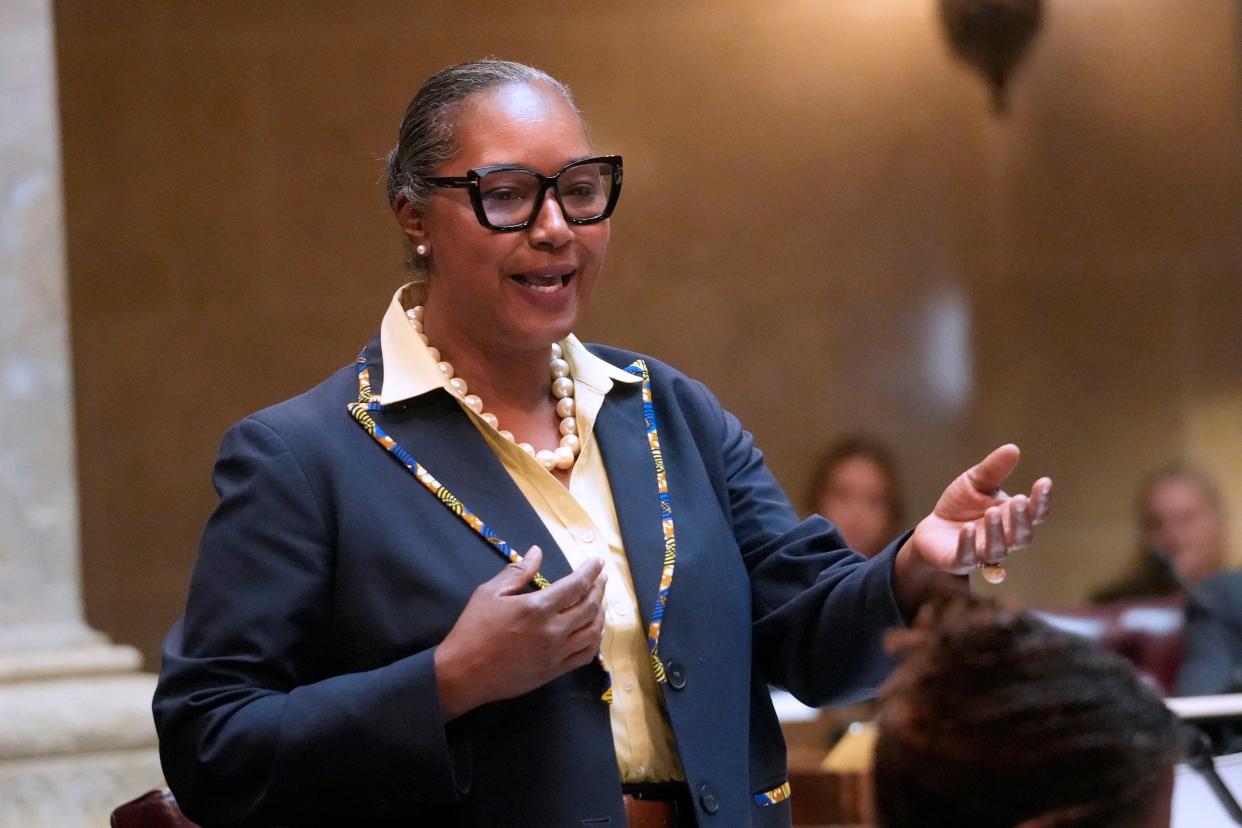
[993, 719]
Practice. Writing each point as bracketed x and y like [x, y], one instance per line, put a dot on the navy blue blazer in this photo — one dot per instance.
[299, 686]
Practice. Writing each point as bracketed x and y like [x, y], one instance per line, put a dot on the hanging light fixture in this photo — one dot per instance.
[991, 36]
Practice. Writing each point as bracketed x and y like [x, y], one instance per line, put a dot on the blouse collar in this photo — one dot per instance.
[410, 371]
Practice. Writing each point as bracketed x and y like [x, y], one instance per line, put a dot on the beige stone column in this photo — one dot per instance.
[76, 736]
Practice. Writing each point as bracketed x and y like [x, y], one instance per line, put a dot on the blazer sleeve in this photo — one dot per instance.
[252, 727]
[820, 610]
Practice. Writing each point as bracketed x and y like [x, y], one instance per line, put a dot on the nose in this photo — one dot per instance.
[550, 230]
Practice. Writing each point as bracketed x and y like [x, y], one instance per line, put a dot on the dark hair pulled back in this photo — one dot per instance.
[426, 138]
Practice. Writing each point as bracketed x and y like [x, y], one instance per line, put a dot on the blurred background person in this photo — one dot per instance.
[1182, 516]
[1213, 650]
[856, 487]
[995, 719]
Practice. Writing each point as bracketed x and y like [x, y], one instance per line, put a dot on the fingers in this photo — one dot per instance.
[994, 546]
[595, 596]
[587, 639]
[989, 473]
[581, 657]
[516, 640]
[989, 524]
[1021, 529]
[1041, 497]
[1010, 525]
[966, 555]
[586, 612]
[573, 587]
[515, 576]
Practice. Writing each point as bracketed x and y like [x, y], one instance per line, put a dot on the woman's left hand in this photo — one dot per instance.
[974, 522]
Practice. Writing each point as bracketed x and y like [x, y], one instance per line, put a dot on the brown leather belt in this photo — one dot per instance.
[650, 813]
[658, 805]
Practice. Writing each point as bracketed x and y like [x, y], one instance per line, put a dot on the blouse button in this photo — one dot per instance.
[588, 536]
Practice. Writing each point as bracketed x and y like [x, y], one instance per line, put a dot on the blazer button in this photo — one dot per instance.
[708, 799]
[676, 673]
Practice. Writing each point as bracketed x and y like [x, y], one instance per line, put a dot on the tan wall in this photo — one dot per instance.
[821, 220]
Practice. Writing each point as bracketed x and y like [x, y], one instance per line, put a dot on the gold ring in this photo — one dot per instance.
[993, 573]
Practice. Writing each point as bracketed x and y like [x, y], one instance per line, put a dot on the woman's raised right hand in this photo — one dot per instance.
[508, 642]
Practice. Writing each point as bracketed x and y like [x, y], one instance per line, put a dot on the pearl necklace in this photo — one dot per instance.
[564, 455]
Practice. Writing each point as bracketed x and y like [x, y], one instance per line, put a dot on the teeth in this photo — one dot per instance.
[542, 284]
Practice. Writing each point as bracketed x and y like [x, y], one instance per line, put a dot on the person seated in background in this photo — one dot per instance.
[994, 719]
[1183, 549]
[1182, 519]
[1212, 663]
[1213, 650]
[855, 486]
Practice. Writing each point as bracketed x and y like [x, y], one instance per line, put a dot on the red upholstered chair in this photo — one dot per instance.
[154, 809]
[1148, 632]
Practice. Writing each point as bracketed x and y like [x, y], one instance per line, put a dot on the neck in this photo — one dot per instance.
[514, 379]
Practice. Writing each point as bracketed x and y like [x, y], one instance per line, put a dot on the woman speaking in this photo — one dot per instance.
[485, 575]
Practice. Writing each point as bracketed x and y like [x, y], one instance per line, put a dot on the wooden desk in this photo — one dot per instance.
[830, 800]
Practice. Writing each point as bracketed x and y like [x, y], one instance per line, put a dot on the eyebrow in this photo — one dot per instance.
[523, 166]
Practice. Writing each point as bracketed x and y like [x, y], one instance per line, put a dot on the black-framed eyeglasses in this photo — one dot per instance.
[507, 197]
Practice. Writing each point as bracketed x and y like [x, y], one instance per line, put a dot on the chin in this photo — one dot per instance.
[536, 331]
[554, 332]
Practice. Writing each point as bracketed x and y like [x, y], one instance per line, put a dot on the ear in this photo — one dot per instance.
[411, 220]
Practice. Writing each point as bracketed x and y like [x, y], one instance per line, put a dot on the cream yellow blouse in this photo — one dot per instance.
[582, 521]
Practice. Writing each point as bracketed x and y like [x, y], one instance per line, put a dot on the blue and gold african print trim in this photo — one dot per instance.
[639, 368]
[779, 794]
[361, 410]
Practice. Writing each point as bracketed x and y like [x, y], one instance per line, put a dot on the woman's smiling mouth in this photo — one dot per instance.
[546, 279]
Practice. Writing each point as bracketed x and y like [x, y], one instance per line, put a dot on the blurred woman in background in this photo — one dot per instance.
[855, 486]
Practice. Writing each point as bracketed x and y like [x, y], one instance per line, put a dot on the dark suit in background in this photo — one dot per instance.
[1213, 659]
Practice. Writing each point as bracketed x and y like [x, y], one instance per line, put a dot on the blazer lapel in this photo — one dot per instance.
[433, 428]
[622, 434]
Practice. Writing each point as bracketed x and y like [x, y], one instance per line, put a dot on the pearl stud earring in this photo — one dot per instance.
[421, 250]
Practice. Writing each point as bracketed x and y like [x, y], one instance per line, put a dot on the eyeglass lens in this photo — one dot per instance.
[510, 196]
